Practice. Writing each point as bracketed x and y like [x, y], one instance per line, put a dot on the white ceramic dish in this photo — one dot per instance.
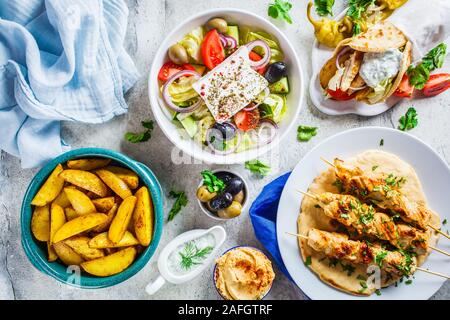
[433, 173]
[238, 17]
[166, 275]
[319, 56]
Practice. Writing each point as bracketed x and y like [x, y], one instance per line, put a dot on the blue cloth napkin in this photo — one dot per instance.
[59, 60]
[263, 214]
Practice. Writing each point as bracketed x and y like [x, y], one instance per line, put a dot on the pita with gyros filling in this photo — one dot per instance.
[368, 67]
[340, 273]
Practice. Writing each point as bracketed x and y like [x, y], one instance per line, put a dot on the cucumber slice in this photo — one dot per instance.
[233, 31]
[281, 86]
[189, 124]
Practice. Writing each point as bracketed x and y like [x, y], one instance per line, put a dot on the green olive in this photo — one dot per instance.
[217, 23]
[239, 197]
[178, 54]
[204, 195]
[232, 211]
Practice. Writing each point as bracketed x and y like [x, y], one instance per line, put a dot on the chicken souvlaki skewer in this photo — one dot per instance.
[384, 193]
[338, 246]
[364, 220]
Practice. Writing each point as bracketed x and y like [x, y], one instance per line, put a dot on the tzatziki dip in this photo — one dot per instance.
[377, 67]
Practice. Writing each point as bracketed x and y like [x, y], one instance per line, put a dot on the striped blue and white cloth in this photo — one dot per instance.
[59, 60]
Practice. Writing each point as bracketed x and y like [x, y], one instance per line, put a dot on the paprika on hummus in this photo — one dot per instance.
[244, 273]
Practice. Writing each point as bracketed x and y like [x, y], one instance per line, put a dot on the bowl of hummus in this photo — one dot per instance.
[243, 273]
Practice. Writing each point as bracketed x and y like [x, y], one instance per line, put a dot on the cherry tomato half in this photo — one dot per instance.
[169, 69]
[212, 50]
[247, 120]
[256, 57]
[340, 95]
[437, 84]
[405, 89]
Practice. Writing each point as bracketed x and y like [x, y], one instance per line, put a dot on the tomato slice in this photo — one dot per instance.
[437, 84]
[212, 50]
[405, 89]
[169, 69]
[247, 120]
[340, 95]
[256, 57]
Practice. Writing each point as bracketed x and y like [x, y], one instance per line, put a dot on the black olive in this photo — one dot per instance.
[234, 186]
[226, 129]
[275, 72]
[221, 201]
[224, 176]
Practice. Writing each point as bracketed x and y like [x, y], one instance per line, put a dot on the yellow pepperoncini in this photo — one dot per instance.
[392, 4]
[329, 32]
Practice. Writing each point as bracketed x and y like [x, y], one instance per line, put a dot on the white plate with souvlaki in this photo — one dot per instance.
[360, 216]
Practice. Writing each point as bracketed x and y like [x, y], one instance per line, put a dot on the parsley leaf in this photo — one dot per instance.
[280, 10]
[258, 167]
[308, 261]
[378, 292]
[213, 183]
[324, 7]
[142, 136]
[305, 133]
[409, 120]
[355, 10]
[380, 257]
[444, 222]
[381, 142]
[420, 73]
[408, 282]
[180, 202]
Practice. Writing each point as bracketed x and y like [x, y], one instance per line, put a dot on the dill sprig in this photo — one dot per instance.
[192, 255]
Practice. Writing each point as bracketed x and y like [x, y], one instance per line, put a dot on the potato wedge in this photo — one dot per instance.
[67, 255]
[62, 200]
[88, 164]
[85, 180]
[80, 202]
[52, 256]
[57, 220]
[143, 216]
[50, 189]
[80, 244]
[115, 183]
[78, 225]
[105, 225]
[70, 213]
[128, 176]
[104, 204]
[40, 223]
[101, 241]
[112, 264]
[121, 220]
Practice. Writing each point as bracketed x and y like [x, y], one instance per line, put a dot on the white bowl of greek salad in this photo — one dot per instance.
[226, 86]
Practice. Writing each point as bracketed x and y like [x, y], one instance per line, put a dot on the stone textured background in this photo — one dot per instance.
[149, 22]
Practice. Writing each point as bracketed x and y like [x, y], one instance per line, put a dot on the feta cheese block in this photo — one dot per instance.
[230, 86]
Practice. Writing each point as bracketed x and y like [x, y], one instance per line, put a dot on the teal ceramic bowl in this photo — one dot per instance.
[36, 251]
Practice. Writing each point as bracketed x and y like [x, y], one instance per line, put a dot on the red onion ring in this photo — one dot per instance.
[268, 124]
[228, 41]
[358, 89]
[223, 152]
[346, 49]
[256, 105]
[267, 53]
[168, 99]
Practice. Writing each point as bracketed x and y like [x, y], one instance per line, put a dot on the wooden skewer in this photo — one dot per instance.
[418, 268]
[431, 247]
[433, 273]
[429, 225]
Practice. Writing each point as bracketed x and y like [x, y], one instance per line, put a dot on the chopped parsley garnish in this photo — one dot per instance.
[305, 133]
[191, 255]
[338, 184]
[360, 277]
[180, 202]
[367, 215]
[363, 285]
[381, 142]
[324, 7]
[405, 267]
[333, 262]
[409, 120]
[258, 167]
[408, 282]
[380, 257]
[349, 268]
[345, 216]
[355, 10]
[280, 10]
[308, 261]
[419, 74]
[444, 222]
[213, 183]
[374, 168]
[378, 292]
[142, 136]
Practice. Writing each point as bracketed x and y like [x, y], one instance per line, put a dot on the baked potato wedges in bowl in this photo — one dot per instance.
[92, 218]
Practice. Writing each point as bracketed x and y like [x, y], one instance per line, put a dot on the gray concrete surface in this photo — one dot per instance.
[149, 22]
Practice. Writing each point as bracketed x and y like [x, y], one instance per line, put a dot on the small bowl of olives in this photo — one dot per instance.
[222, 195]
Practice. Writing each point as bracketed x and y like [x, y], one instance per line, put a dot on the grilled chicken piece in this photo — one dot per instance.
[363, 219]
[338, 246]
[358, 82]
[351, 69]
[383, 192]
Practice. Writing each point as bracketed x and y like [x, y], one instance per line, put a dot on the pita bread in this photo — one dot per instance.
[379, 38]
[313, 217]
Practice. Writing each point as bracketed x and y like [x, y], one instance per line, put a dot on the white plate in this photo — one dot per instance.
[319, 56]
[433, 173]
[238, 17]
